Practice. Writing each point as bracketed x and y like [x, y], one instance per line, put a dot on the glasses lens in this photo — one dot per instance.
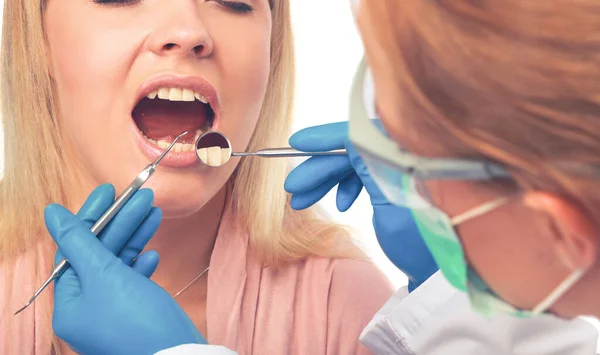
[368, 95]
[398, 186]
[394, 181]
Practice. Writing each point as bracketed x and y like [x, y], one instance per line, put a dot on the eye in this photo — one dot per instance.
[116, 2]
[235, 6]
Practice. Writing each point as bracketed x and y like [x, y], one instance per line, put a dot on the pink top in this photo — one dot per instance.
[316, 306]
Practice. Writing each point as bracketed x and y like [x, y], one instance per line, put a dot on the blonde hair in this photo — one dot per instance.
[34, 171]
[280, 234]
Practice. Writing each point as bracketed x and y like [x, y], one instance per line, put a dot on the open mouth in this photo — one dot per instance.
[165, 113]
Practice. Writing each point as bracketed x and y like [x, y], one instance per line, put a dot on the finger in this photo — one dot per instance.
[318, 138]
[96, 204]
[317, 171]
[306, 199]
[93, 208]
[67, 286]
[126, 222]
[375, 194]
[348, 192]
[76, 242]
[141, 237]
[146, 263]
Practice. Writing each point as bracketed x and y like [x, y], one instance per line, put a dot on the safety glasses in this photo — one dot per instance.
[398, 173]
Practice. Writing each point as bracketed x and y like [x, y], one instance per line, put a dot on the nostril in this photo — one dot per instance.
[198, 49]
[170, 46]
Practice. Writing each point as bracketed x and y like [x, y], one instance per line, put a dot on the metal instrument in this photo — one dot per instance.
[214, 149]
[287, 152]
[112, 211]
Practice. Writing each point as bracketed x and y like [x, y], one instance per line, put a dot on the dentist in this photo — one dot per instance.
[106, 306]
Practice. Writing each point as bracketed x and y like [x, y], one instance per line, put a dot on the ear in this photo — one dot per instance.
[576, 239]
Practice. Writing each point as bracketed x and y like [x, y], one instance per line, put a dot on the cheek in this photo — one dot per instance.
[245, 66]
[503, 246]
[88, 64]
[510, 254]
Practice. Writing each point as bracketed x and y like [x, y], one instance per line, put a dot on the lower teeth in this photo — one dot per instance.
[178, 147]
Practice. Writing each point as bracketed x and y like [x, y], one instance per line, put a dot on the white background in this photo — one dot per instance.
[328, 48]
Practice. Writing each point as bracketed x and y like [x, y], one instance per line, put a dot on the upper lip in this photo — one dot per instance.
[195, 83]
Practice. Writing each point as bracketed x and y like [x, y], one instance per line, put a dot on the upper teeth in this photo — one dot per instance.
[177, 94]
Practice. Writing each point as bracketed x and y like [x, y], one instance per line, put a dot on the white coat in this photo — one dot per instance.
[437, 319]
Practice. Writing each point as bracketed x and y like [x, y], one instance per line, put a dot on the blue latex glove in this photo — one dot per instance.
[394, 226]
[102, 304]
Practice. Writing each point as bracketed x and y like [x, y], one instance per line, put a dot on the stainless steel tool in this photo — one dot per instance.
[112, 211]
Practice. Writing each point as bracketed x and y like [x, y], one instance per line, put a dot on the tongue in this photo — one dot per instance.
[164, 120]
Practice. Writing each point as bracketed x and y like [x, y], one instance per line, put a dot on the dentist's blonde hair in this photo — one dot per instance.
[35, 168]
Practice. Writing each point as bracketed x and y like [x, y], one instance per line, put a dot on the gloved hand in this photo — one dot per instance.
[102, 304]
[394, 226]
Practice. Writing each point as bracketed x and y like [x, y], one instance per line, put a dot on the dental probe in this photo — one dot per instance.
[112, 211]
[287, 152]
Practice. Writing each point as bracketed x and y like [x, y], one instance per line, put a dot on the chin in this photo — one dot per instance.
[182, 195]
[179, 209]
[180, 204]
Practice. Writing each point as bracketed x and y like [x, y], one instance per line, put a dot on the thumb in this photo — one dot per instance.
[76, 242]
[377, 197]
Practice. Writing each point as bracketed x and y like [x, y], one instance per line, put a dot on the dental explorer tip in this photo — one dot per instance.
[155, 164]
[175, 141]
[23, 308]
[181, 135]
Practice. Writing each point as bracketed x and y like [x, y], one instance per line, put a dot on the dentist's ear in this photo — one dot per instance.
[575, 236]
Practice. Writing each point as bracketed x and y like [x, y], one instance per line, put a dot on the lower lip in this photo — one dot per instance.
[172, 159]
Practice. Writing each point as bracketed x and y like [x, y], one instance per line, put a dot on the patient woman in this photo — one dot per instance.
[92, 92]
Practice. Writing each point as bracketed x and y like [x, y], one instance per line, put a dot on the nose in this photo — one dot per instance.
[181, 33]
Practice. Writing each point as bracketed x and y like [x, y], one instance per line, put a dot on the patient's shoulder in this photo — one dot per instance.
[344, 274]
[359, 283]
[357, 290]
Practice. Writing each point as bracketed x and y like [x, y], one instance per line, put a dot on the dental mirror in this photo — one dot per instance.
[214, 149]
